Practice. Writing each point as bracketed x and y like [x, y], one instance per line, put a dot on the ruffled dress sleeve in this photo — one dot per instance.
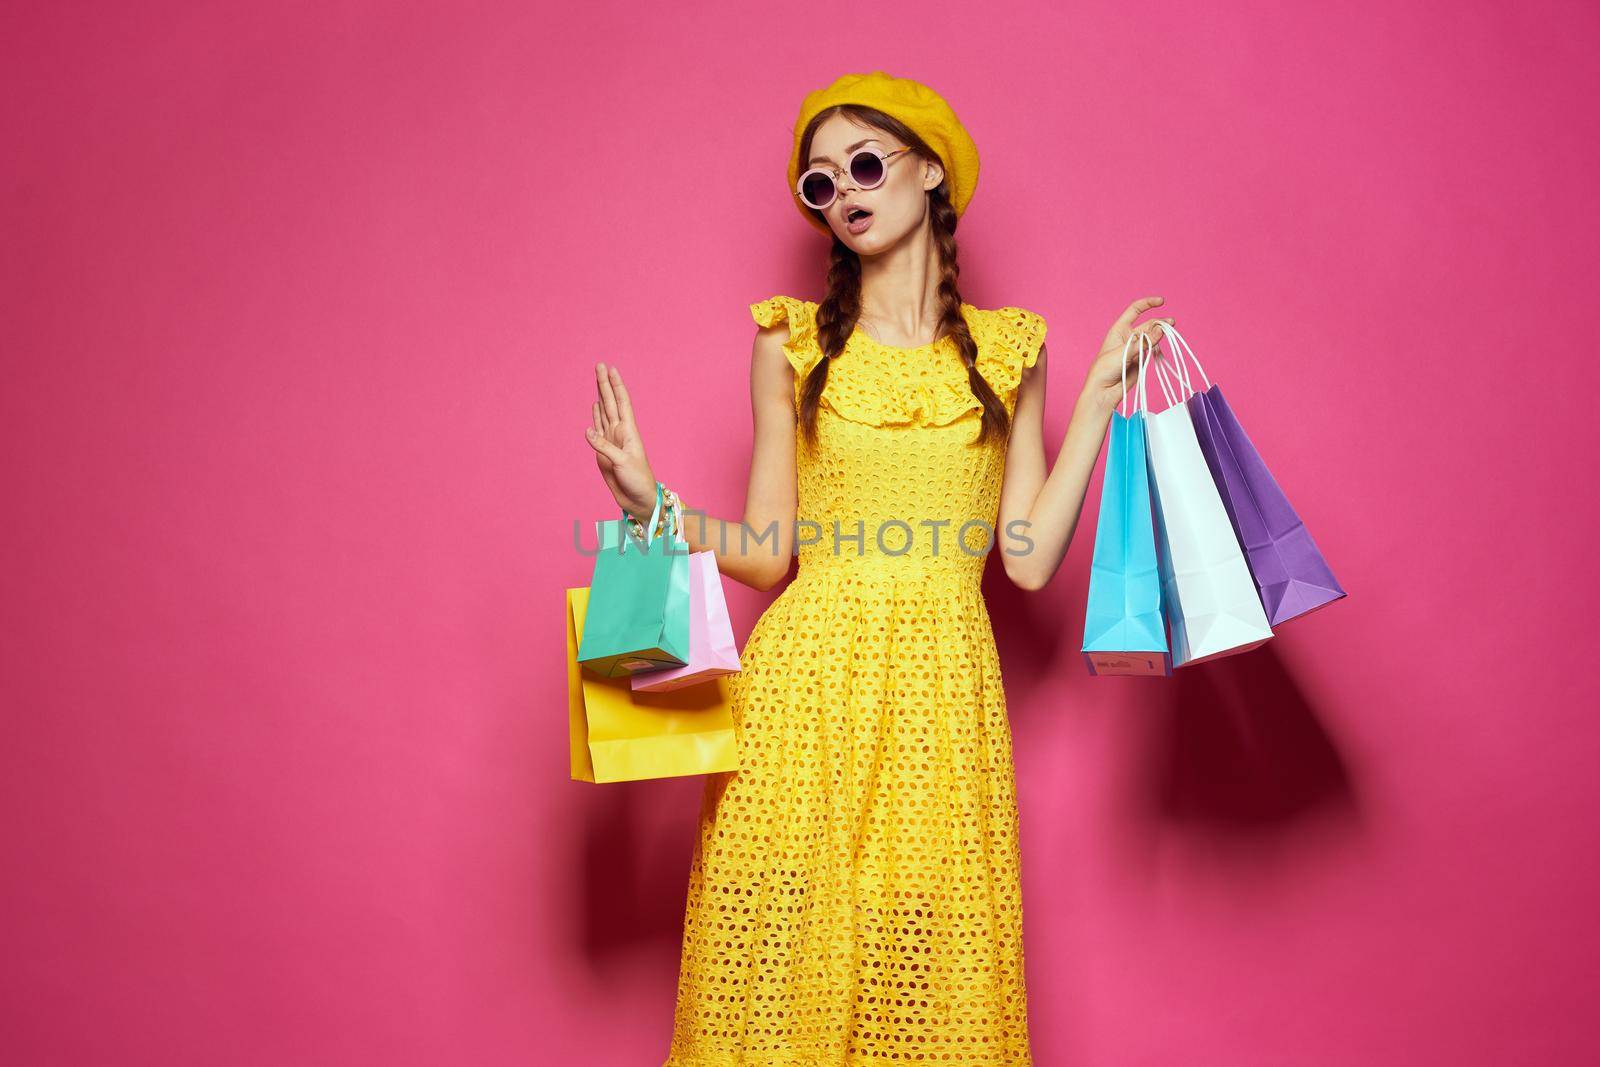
[801, 316]
[1016, 335]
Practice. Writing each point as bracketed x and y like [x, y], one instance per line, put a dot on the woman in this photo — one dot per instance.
[854, 892]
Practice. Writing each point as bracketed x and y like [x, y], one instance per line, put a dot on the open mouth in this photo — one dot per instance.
[856, 214]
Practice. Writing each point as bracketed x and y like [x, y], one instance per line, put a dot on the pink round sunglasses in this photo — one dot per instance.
[867, 166]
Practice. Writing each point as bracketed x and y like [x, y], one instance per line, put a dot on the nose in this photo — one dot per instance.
[842, 184]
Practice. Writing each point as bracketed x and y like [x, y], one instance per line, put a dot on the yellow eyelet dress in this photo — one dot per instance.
[854, 894]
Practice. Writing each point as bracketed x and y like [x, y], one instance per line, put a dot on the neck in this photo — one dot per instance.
[899, 289]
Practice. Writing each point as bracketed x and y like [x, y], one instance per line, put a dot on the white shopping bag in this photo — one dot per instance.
[1209, 595]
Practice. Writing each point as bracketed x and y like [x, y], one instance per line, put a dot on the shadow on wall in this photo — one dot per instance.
[1234, 780]
[1244, 748]
[1232, 744]
[637, 843]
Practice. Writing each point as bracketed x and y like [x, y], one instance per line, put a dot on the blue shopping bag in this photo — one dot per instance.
[1123, 629]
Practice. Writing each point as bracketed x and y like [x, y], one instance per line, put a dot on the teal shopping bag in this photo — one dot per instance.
[1123, 628]
[638, 611]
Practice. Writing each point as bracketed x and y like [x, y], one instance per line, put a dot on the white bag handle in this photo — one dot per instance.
[1168, 387]
[1139, 397]
[1179, 346]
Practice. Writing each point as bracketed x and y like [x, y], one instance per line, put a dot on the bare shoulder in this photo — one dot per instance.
[772, 338]
[769, 358]
[772, 369]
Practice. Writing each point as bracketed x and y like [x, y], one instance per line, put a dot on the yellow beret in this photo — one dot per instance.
[914, 104]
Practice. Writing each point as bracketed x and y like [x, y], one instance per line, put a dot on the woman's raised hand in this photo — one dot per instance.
[619, 450]
[1105, 377]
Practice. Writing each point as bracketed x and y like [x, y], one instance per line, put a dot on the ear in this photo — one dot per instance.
[932, 175]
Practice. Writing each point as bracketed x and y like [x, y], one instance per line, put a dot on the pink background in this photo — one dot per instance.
[302, 307]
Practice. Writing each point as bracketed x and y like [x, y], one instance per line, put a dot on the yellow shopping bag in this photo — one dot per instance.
[620, 734]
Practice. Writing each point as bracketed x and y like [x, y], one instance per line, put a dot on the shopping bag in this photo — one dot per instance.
[1209, 596]
[618, 735]
[712, 651]
[1291, 575]
[1123, 629]
[639, 617]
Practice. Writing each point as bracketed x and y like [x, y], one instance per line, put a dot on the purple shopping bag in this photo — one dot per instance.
[1290, 572]
[711, 646]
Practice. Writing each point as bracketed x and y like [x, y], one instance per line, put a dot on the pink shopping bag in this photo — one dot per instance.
[712, 651]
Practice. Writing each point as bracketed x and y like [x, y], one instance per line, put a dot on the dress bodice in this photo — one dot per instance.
[895, 479]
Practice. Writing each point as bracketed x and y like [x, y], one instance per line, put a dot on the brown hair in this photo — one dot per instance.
[840, 307]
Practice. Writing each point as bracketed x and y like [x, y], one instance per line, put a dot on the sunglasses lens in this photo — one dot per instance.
[817, 190]
[866, 169]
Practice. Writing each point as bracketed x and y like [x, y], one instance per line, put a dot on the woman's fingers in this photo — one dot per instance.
[1140, 343]
[1137, 308]
[624, 404]
[604, 447]
[608, 399]
[1153, 331]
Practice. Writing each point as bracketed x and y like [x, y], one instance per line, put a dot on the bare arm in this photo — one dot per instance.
[1049, 506]
[756, 551]
[1049, 501]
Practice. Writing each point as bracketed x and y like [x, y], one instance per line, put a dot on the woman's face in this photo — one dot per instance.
[897, 207]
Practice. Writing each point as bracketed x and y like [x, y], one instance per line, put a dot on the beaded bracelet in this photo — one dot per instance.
[671, 505]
